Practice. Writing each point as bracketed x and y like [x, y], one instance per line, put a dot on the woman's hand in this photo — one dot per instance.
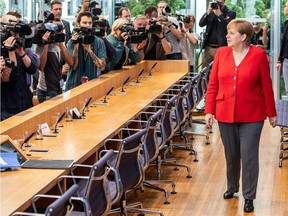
[273, 121]
[209, 120]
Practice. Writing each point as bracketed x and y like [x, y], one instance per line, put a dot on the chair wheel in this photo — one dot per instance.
[176, 169]
[141, 214]
[195, 160]
[173, 192]
[166, 202]
[189, 176]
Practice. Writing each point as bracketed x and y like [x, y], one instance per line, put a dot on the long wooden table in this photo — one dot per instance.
[79, 140]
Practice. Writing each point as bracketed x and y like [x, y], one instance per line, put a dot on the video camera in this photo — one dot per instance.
[41, 28]
[55, 36]
[93, 10]
[86, 35]
[99, 26]
[24, 31]
[135, 36]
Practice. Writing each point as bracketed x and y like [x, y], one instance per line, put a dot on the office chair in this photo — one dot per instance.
[127, 163]
[150, 121]
[282, 122]
[167, 129]
[96, 192]
[61, 206]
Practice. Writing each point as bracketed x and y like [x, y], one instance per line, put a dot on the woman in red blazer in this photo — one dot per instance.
[240, 95]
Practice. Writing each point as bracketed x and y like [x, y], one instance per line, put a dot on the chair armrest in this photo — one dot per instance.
[73, 177]
[27, 214]
[160, 107]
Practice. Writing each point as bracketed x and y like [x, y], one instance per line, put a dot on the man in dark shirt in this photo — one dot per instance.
[215, 19]
[15, 84]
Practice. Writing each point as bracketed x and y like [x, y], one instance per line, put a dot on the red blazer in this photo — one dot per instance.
[243, 93]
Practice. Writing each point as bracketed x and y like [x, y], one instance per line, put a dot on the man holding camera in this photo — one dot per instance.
[21, 62]
[56, 9]
[215, 19]
[53, 55]
[172, 32]
[88, 53]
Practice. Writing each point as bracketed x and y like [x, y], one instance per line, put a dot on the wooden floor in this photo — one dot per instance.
[202, 194]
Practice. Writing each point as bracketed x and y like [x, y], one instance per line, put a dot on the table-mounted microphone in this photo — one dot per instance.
[57, 122]
[150, 74]
[105, 98]
[137, 81]
[122, 90]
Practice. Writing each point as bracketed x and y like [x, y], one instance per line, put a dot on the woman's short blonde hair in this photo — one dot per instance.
[243, 27]
[118, 23]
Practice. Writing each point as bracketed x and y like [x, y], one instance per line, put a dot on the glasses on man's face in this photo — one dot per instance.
[255, 23]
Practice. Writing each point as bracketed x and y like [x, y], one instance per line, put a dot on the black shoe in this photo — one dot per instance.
[228, 195]
[248, 206]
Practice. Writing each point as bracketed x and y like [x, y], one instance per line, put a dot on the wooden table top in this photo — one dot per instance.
[80, 139]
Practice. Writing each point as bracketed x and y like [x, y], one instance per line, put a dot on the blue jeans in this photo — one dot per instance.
[285, 74]
[45, 95]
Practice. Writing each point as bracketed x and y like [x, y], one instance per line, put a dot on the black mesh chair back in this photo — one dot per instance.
[150, 141]
[59, 206]
[97, 192]
[166, 120]
[128, 162]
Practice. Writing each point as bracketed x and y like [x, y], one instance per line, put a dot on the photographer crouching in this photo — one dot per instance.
[20, 64]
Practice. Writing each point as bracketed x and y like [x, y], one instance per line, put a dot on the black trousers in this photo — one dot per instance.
[241, 146]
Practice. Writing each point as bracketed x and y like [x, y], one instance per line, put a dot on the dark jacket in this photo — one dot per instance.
[208, 20]
[67, 30]
[284, 48]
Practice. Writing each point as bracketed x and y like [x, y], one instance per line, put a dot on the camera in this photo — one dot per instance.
[166, 11]
[93, 10]
[9, 63]
[22, 29]
[55, 35]
[135, 36]
[99, 27]
[86, 35]
[214, 5]
[183, 18]
[154, 27]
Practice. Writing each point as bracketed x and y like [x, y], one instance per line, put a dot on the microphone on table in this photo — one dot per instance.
[26, 141]
[57, 122]
[137, 81]
[150, 74]
[105, 98]
[122, 90]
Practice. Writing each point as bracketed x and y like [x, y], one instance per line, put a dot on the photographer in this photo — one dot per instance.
[189, 39]
[53, 55]
[215, 19]
[88, 52]
[172, 32]
[22, 62]
[158, 46]
[125, 51]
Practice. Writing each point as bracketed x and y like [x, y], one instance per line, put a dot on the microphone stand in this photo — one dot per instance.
[122, 90]
[137, 81]
[105, 98]
[150, 74]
